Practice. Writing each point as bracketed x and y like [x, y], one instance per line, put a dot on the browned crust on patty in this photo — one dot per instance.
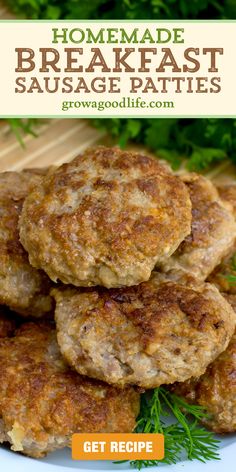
[18, 184]
[228, 193]
[215, 391]
[155, 333]
[106, 218]
[43, 402]
[213, 232]
[22, 287]
[221, 274]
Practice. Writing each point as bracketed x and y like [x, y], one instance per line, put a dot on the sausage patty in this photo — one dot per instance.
[106, 218]
[147, 335]
[43, 402]
[213, 232]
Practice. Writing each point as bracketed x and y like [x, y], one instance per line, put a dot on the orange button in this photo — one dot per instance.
[112, 446]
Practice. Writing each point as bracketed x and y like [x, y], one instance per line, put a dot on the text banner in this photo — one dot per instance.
[124, 68]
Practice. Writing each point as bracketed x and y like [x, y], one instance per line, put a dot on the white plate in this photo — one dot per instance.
[61, 461]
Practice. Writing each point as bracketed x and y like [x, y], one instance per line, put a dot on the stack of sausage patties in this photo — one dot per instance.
[109, 256]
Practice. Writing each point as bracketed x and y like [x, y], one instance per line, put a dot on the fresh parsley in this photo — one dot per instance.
[128, 9]
[183, 437]
[196, 143]
[199, 144]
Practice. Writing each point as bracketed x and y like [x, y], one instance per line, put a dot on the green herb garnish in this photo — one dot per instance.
[21, 127]
[118, 9]
[196, 143]
[183, 437]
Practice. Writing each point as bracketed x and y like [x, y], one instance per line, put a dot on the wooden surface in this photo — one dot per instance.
[57, 141]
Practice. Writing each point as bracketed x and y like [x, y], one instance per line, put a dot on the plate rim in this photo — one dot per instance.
[19, 462]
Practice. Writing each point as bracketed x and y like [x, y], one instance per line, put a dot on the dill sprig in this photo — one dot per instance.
[183, 437]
